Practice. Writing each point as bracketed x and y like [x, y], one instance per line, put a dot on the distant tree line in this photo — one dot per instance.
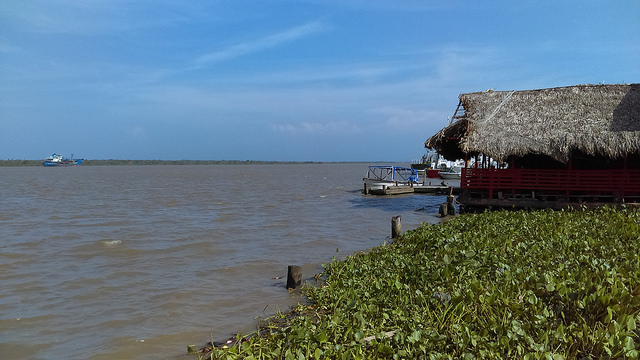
[155, 162]
[20, 162]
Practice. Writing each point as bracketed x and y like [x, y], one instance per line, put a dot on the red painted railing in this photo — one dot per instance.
[619, 182]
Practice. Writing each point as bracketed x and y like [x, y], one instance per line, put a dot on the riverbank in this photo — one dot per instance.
[521, 284]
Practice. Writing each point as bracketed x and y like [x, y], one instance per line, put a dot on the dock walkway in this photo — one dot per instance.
[446, 189]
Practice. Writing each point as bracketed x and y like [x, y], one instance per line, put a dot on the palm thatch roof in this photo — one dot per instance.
[600, 120]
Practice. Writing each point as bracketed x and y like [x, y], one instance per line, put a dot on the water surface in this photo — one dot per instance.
[136, 262]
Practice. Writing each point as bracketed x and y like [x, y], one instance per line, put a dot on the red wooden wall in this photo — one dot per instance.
[612, 182]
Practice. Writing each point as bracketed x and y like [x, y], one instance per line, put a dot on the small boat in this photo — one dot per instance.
[420, 165]
[454, 173]
[59, 160]
[380, 177]
[427, 161]
[433, 173]
[451, 170]
[432, 163]
[427, 168]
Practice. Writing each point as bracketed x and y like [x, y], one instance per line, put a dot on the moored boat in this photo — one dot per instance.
[428, 168]
[451, 174]
[380, 177]
[59, 160]
[451, 170]
[433, 173]
[426, 162]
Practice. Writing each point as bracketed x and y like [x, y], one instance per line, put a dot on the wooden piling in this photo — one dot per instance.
[443, 210]
[396, 226]
[294, 277]
[451, 208]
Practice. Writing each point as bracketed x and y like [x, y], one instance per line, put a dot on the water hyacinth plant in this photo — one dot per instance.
[531, 285]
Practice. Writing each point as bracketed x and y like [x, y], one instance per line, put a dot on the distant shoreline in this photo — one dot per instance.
[172, 162]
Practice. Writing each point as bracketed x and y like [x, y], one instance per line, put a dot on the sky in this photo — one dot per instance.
[277, 80]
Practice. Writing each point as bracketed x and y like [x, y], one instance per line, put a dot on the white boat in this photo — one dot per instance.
[451, 170]
[380, 177]
[455, 173]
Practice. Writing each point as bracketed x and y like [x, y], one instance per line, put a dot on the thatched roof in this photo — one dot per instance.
[602, 120]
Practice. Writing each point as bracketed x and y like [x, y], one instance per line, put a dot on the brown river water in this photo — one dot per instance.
[137, 262]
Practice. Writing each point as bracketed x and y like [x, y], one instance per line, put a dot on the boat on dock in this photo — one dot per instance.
[451, 170]
[451, 174]
[428, 168]
[381, 177]
[437, 167]
[59, 160]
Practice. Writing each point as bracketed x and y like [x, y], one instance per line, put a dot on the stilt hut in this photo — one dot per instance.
[546, 148]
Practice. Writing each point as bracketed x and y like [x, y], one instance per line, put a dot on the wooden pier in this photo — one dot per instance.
[418, 189]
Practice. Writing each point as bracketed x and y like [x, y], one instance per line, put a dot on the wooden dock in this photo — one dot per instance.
[418, 189]
[437, 190]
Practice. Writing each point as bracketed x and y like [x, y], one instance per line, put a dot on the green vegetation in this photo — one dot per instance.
[21, 162]
[528, 285]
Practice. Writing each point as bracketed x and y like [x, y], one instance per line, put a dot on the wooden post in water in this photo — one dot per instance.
[451, 208]
[396, 226]
[443, 209]
[294, 276]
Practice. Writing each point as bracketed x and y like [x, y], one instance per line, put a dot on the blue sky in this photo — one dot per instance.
[348, 80]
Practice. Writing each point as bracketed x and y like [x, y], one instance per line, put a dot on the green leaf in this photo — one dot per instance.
[550, 287]
[629, 344]
[321, 337]
[385, 350]
[414, 337]
[288, 355]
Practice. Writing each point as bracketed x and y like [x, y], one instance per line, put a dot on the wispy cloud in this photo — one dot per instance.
[136, 133]
[346, 74]
[317, 128]
[8, 48]
[264, 43]
[88, 18]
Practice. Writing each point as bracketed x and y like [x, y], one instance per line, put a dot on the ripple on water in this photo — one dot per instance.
[170, 255]
[111, 243]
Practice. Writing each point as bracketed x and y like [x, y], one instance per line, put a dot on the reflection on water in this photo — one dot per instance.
[133, 262]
